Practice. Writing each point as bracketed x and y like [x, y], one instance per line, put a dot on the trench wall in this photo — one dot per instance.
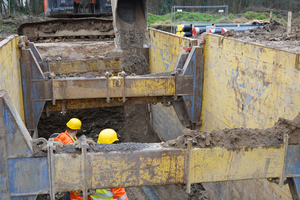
[248, 85]
[245, 85]
[251, 86]
[163, 52]
[10, 73]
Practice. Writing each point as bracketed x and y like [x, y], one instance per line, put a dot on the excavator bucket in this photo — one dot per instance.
[130, 24]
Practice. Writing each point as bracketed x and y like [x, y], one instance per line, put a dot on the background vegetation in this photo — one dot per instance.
[162, 7]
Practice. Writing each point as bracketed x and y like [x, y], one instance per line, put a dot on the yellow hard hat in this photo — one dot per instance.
[107, 136]
[74, 124]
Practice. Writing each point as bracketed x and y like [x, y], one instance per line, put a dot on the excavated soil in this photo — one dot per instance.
[106, 148]
[132, 60]
[77, 50]
[236, 137]
[272, 35]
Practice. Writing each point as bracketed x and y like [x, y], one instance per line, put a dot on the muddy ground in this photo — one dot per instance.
[236, 137]
[273, 35]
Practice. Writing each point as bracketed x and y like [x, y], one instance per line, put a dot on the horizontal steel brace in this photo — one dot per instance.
[155, 165]
[152, 165]
[73, 104]
[83, 66]
[135, 86]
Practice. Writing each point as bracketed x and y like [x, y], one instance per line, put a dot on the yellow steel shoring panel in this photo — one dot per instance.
[96, 88]
[81, 66]
[153, 87]
[164, 50]
[115, 169]
[247, 85]
[68, 172]
[221, 164]
[10, 73]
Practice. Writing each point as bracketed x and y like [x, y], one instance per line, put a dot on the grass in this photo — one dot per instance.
[182, 16]
[154, 20]
[6, 27]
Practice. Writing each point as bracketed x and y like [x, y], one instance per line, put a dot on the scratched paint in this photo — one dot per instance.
[247, 85]
[164, 50]
[10, 74]
[220, 164]
[121, 169]
[250, 82]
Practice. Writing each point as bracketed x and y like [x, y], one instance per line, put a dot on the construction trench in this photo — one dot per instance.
[246, 119]
[131, 122]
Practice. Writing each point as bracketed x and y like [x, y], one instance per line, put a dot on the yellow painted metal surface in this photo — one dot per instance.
[10, 73]
[81, 66]
[247, 85]
[164, 50]
[73, 104]
[96, 88]
[154, 166]
[160, 166]
[221, 164]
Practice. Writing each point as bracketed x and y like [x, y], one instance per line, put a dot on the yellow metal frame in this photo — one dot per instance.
[221, 164]
[160, 166]
[10, 73]
[84, 66]
[154, 166]
[136, 86]
[248, 85]
[165, 48]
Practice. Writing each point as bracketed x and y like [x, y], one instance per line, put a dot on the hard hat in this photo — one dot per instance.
[107, 136]
[74, 124]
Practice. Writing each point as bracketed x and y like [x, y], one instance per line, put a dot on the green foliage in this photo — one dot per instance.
[6, 27]
[183, 16]
[250, 15]
[10, 21]
[204, 17]
[231, 16]
[166, 6]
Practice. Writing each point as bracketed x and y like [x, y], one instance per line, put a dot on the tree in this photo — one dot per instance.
[166, 7]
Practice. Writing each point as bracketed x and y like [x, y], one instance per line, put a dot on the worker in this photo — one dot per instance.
[109, 136]
[68, 137]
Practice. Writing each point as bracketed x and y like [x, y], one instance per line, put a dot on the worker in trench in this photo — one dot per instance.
[68, 137]
[109, 136]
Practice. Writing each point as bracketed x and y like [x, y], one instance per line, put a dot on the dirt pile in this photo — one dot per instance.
[232, 138]
[77, 50]
[274, 31]
[132, 60]
[272, 35]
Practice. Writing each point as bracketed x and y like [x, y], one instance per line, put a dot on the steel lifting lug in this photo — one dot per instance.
[107, 75]
[78, 144]
[39, 142]
[53, 143]
[123, 75]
